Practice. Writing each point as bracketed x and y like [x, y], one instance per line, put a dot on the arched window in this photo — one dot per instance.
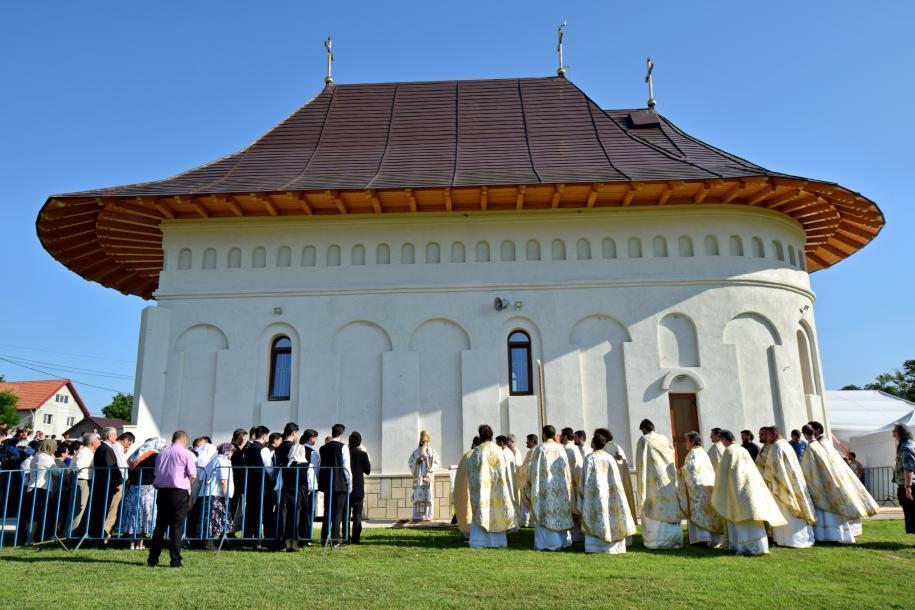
[209, 258]
[559, 250]
[407, 254]
[283, 256]
[357, 255]
[711, 245]
[759, 251]
[234, 258]
[259, 257]
[458, 254]
[608, 248]
[779, 250]
[309, 256]
[520, 371]
[508, 250]
[532, 250]
[184, 259]
[635, 247]
[280, 368]
[383, 254]
[583, 248]
[333, 256]
[482, 252]
[433, 253]
[791, 257]
[686, 245]
[659, 247]
[736, 245]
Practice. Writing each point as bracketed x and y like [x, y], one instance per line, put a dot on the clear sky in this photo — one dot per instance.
[103, 93]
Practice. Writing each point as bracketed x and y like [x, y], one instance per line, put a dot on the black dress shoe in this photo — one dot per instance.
[175, 565]
[152, 564]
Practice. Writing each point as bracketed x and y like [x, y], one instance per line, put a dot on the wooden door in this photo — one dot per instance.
[684, 417]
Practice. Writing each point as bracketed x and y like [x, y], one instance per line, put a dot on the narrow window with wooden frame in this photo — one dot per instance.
[280, 369]
[520, 369]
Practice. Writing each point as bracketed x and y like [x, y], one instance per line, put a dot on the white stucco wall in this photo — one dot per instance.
[389, 348]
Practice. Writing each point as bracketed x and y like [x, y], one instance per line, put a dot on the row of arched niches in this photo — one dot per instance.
[483, 251]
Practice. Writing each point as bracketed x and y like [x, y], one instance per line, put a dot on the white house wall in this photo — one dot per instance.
[390, 348]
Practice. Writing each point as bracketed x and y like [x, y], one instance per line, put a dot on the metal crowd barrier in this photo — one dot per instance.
[54, 508]
[879, 482]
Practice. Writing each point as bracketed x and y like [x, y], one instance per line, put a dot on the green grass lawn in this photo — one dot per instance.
[421, 568]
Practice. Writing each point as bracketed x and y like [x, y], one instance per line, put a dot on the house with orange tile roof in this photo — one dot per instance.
[47, 405]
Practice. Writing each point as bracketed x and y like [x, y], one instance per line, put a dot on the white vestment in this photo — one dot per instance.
[423, 471]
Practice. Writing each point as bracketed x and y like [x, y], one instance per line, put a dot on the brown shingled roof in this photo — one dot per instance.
[408, 147]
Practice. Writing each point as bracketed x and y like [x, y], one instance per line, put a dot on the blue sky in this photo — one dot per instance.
[103, 93]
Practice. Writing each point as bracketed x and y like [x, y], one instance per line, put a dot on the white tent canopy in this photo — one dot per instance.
[862, 421]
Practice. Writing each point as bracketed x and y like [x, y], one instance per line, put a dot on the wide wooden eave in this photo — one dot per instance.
[117, 242]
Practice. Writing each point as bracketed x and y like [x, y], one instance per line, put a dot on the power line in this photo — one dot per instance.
[66, 368]
[59, 377]
[49, 351]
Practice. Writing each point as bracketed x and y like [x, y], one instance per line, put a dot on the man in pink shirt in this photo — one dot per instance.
[175, 469]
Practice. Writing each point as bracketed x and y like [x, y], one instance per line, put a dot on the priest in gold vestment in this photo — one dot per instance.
[549, 487]
[659, 509]
[694, 491]
[605, 517]
[574, 455]
[782, 474]
[524, 505]
[492, 498]
[461, 500]
[716, 449]
[839, 498]
[622, 465]
[742, 498]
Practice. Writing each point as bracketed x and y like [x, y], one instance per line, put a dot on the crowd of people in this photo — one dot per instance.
[263, 486]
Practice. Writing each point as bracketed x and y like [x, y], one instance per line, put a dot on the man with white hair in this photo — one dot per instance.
[81, 467]
[107, 480]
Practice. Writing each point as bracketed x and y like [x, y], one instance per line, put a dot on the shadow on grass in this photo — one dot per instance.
[880, 546]
[76, 558]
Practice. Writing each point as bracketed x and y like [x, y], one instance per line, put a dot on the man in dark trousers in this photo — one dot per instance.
[176, 467]
[286, 501]
[236, 504]
[107, 480]
[361, 466]
[257, 457]
[335, 481]
[308, 488]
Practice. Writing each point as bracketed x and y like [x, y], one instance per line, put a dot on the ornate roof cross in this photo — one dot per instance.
[328, 44]
[561, 71]
[650, 81]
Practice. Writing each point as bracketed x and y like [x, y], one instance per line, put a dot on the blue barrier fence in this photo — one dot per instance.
[228, 503]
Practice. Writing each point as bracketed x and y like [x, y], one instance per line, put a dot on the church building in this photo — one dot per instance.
[433, 256]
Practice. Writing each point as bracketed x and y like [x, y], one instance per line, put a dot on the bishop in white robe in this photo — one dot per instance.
[423, 463]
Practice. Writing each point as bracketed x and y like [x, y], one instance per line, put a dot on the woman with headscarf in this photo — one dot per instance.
[423, 463]
[216, 492]
[139, 503]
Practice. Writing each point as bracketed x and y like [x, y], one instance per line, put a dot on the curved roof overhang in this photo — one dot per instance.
[116, 241]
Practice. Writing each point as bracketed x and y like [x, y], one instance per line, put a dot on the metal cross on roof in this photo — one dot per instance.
[561, 71]
[650, 81]
[328, 44]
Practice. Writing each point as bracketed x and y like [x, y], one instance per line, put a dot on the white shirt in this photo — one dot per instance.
[120, 454]
[221, 472]
[82, 464]
[40, 471]
[267, 460]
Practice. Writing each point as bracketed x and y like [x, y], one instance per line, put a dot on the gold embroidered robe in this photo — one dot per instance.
[657, 477]
[604, 510]
[492, 498]
[740, 493]
[549, 485]
[462, 509]
[786, 481]
[622, 464]
[714, 453]
[694, 491]
[833, 486]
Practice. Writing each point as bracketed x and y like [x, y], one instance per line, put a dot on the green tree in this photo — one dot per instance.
[8, 403]
[120, 408]
[851, 387]
[898, 383]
